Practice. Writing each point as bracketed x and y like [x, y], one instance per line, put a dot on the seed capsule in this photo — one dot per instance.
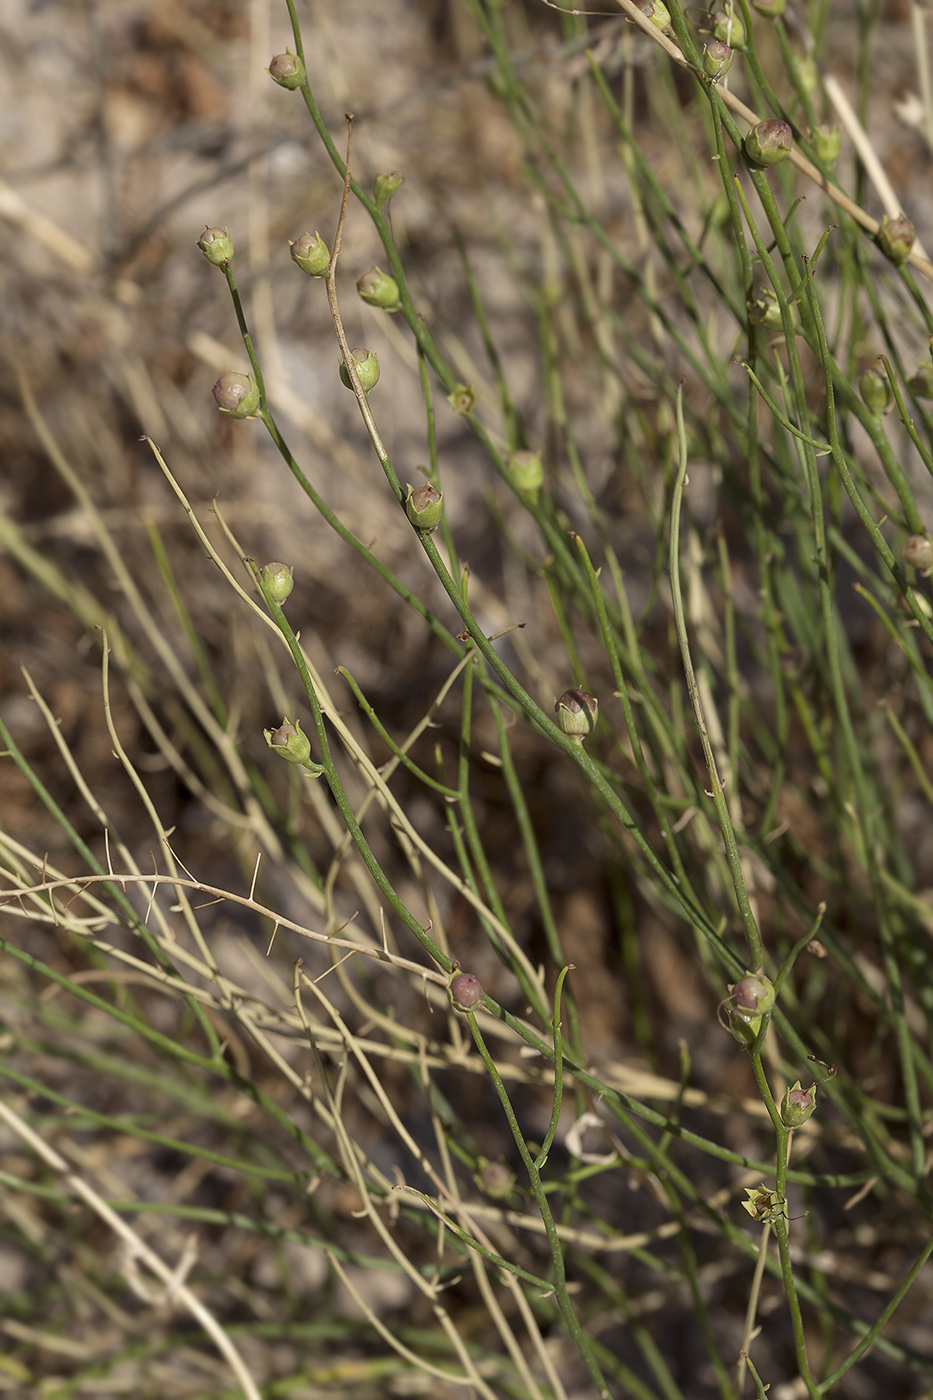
[797, 1105]
[827, 143]
[465, 991]
[385, 186]
[377, 288]
[287, 70]
[921, 383]
[658, 13]
[236, 395]
[896, 237]
[290, 743]
[311, 254]
[216, 245]
[367, 367]
[875, 390]
[425, 506]
[576, 712]
[769, 142]
[717, 59]
[918, 550]
[527, 472]
[728, 27]
[279, 580]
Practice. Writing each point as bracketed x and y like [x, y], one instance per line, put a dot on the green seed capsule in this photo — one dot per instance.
[425, 506]
[377, 288]
[385, 186]
[875, 390]
[287, 70]
[311, 254]
[216, 245]
[896, 237]
[797, 1105]
[576, 712]
[769, 142]
[367, 367]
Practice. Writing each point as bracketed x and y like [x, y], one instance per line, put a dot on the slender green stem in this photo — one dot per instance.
[755, 951]
[558, 1270]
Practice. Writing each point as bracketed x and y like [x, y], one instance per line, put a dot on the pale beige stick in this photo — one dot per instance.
[176, 1289]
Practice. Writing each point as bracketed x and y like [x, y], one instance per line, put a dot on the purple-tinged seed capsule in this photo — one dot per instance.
[896, 237]
[287, 70]
[576, 712]
[657, 12]
[717, 59]
[752, 995]
[216, 245]
[465, 991]
[425, 506]
[728, 27]
[290, 743]
[797, 1105]
[921, 383]
[496, 1180]
[311, 254]
[377, 288]
[769, 142]
[236, 394]
[918, 551]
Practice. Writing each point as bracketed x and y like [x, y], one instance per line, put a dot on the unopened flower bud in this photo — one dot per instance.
[377, 288]
[291, 744]
[797, 1105]
[236, 394]
[875, 390]
[896, 238]
[278, 579]
[385, 186]
[769, 142]
[425, 506]
[576, 712]
[367, 367]
[827, 143]
[462, 400]
[770, 8]
[216, 245]
[717, 59]
[287, 70]
[921, 383]
[311, 254]
[465, 991]
[728, 27]
[657, 12]
[918, 550]
[527, 472]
